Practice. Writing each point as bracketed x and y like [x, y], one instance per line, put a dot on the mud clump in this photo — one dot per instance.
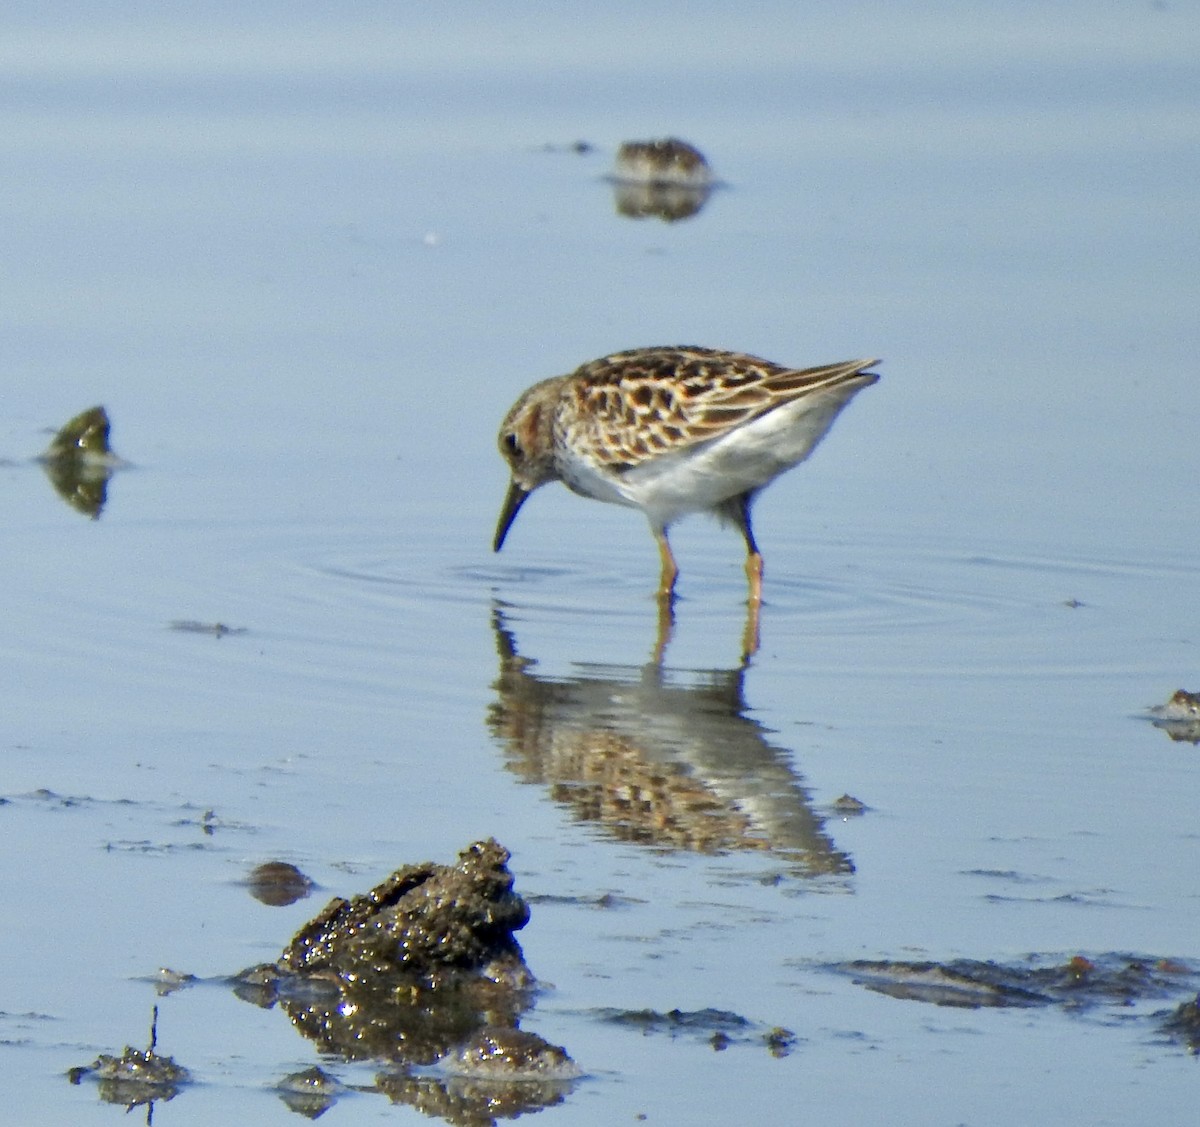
[277, 884]
[501, 1053]
[137, 1076]
[1081, 986]
[79, 461]
[720, 1028]
[1183, 1024]
[1179, 717]
[417, 969]
[310, 1093]
[1077, 983]
[423, 974]
[432, 923]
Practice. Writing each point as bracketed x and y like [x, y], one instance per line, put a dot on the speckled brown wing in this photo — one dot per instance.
[642, 404]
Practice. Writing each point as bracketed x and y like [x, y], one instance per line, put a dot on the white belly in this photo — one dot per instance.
[741, 461]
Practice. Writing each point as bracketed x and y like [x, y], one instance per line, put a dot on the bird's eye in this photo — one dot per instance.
[511, 444]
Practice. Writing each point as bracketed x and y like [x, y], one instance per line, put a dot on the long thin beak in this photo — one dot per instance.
[517, 496]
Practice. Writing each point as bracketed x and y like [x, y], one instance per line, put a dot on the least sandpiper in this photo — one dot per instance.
[673, 431]
[669, 161]
[667, 179]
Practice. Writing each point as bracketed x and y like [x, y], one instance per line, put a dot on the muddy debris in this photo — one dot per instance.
[434, 923]
[1183, 1025]
[278, 883]
[310, 1093]
[192, 626]
[848, 806]
[415, 971]
[137, 1076]
[167, 981]
[1179, 717]
[579, 148]
[1079, 985]
[504, 1053]
[720, 1028]
[79, 461]
[966, 984]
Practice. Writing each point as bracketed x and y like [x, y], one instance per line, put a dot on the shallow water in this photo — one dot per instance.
[307, 258]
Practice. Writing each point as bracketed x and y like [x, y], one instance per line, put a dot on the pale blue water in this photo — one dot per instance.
[308, 255]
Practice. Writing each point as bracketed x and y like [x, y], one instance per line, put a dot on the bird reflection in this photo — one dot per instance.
[660, 759]
[79, 462]
[668, 202]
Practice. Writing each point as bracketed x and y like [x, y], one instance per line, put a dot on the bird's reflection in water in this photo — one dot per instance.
[659, 758]
[668, 202]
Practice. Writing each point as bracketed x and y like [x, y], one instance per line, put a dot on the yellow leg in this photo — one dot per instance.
[666, 595]
[670, 572]
[666, 627]
[754, 573]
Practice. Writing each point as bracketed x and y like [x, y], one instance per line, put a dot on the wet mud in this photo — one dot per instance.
[421, 973]
[278, 883]
[135, 1077]
[1179, 717]
[1097, 985]
[79, 461]
[720, 1028]
[410, 970]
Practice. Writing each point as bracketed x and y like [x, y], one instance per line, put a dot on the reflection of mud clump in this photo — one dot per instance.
[495, 1077]
[310, 1093]
[503, 1053]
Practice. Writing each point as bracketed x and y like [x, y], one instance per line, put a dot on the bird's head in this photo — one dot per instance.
[526, 442]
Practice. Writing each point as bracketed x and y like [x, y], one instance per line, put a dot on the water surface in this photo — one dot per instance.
[307, 257]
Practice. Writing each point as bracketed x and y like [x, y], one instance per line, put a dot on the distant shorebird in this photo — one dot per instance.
[667, 179]
[672, 431]
[669, 161]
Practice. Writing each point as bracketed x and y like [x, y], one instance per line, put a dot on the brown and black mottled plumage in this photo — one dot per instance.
[672, 431]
